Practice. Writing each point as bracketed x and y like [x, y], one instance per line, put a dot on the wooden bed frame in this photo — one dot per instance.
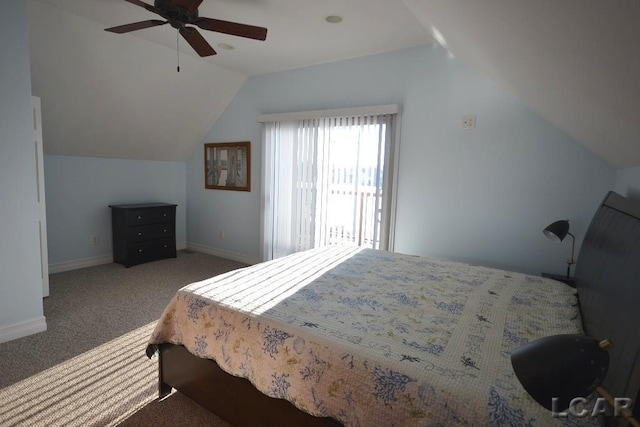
[232, 398]
[608, 283]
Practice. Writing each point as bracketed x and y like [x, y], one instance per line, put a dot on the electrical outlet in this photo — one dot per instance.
[95, 240]
[468, 122]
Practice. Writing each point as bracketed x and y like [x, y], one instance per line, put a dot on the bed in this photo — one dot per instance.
[357, 337]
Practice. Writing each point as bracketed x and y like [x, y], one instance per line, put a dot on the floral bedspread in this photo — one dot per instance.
[375, 338]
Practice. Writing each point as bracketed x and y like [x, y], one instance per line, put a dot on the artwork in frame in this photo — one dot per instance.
[227, 165]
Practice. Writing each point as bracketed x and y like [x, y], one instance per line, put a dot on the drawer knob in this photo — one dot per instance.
[139, 234]
[139, 250]
[164, 214]
[165, 230]
[139, 216]
[166, 246]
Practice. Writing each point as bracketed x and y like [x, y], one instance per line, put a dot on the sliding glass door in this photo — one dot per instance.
[327, 181]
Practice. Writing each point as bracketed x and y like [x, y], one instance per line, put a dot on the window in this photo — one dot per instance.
[328, 180]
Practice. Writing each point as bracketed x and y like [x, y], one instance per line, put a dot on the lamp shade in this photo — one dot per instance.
[558, 230]
[560, 366]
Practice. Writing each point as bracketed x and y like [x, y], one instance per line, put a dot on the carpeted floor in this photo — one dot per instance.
[89, 368]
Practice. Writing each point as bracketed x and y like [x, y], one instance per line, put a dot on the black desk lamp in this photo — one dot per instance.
[557, 369]
[558, 231]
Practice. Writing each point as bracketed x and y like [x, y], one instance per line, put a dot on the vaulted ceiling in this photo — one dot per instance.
[575, 63]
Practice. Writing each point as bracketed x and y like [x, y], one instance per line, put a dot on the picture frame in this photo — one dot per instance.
[227, 166]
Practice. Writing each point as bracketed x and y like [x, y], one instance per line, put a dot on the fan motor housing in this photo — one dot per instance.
[177, 15]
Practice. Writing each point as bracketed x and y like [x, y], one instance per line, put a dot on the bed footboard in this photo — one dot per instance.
[234, 399]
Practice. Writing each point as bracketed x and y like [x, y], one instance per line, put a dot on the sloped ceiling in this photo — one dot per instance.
[574, 62]
[119, 96]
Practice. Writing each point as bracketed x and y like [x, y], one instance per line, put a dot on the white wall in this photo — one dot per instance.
[20, 273]
[482, 196]
[628, 182]
[80, 190]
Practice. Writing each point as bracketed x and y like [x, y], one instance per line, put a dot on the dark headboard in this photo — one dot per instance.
[608, 282]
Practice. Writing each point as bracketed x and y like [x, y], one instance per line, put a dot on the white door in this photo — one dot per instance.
[42, 211]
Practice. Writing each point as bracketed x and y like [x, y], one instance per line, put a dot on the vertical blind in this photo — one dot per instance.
[327, 180]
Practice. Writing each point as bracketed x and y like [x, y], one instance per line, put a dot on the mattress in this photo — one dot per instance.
[375, 338]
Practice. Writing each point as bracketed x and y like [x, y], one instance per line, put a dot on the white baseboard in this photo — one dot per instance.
[75, 264]
[92, 261]
[22, 329]
[196, 247]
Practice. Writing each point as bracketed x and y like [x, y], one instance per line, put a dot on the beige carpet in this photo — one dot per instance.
[89, 368]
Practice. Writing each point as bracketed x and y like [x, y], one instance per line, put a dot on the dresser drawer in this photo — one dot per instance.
[149, 216]
[150, 232]
[140, 252]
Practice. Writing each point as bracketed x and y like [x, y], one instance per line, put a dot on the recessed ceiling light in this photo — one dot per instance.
[333, 19]
[225, 46]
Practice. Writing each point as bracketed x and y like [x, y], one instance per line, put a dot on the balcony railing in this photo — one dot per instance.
[354, 216]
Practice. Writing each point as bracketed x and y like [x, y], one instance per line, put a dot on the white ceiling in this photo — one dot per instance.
[575, 62]
[119, 95]
[298, 34]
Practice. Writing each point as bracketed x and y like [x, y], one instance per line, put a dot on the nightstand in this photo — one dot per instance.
[561, 278]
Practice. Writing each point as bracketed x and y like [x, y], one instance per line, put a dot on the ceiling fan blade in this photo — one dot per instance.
[121, 29]
[197, 42]
[233, 28]
[143, 4]
[189, 5]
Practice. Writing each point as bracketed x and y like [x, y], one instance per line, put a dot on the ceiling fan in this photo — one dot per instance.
[180, 13]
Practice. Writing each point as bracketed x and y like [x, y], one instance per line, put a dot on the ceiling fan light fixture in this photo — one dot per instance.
[333, 19]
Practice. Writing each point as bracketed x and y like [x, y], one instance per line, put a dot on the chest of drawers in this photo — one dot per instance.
[143, 232]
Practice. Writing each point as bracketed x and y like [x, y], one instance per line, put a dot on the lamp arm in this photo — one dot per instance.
[625, 413]
[571, 261]
[573, 246]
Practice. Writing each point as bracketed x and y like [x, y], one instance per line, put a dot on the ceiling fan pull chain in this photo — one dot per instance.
[178, 48]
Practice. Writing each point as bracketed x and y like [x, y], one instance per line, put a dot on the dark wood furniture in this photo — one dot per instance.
[609, 297]
[608, 282]
[561, 278]
[143, 232]
[232, 398]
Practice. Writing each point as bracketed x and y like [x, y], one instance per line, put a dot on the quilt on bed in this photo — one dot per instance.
[375, 338]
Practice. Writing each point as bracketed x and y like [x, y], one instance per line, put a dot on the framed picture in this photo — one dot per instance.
[227, 166]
